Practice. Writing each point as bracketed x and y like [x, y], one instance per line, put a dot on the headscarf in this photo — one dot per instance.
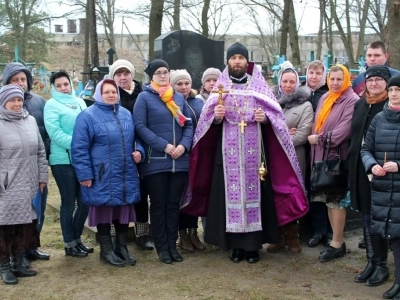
[99, 89]
[287, 67]
[323, 79]
[332, 98]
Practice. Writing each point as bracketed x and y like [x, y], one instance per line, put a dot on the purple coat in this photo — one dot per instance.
[339, 122]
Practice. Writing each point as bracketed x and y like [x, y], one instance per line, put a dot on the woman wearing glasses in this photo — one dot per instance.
[374, 99]
[160, 120]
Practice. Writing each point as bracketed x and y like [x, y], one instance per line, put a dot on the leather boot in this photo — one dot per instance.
[5, 270]
[142, 236]
[194, 238]
[19, 270]
[381, 272]
[274, 248]
[370, 267]
[121, 248]
[107, 254]
[184, 241]
[292, 236]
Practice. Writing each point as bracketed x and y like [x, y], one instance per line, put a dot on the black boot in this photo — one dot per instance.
[393, 291]
[19, 270]
[5, 270]
[370, 267]
[121, 248]
[107, 254]
[381, 273]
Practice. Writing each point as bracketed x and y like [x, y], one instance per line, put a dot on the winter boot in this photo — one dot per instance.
[6, 273]
[274, 248]
[381, 272]
[19, 270]
[107, 254]
[184, 241]
[293, 237]
[142, 236]
[194, 238]
[121, 248]
[370, 267]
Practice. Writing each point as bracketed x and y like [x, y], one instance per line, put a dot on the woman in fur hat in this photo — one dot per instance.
[299, 115]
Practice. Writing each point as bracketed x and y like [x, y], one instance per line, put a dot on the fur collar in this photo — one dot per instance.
[300, 96]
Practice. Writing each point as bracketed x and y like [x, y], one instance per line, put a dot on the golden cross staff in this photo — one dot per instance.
[220, 92]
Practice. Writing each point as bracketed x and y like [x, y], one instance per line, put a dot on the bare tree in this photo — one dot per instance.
[363, 8]
[106, 9]
[176, 16]
[155, 24]
[322, 12]
[285, 27]
[393, 37]
[91, 22]
[294, 36]
[377, 17]
[204, 17]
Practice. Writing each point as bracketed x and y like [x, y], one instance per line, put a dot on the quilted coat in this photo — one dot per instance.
[156, 127]
[102, 146]
[23, 165]
[383, 136]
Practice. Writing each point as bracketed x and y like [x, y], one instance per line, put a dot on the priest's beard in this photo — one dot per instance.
[237, 72]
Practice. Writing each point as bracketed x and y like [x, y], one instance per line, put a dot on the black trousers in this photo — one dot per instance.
[165, 190]
[395, 244]
[142, 207]
[187, 221]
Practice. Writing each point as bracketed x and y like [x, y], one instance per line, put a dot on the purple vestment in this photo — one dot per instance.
[242, 157]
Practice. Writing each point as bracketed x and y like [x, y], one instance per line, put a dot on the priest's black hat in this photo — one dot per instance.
[237, 48]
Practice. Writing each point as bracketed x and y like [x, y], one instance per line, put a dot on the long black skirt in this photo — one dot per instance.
[215, 233]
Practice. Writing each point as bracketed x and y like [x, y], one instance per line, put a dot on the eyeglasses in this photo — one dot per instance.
[375, 80]
[159, 74]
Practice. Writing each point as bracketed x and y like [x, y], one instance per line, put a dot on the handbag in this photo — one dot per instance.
[329, 175]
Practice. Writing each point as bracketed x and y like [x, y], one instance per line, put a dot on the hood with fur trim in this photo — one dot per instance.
[300, 95]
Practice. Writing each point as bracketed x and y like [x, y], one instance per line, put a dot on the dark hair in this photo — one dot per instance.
[57, 75]
[378, 45]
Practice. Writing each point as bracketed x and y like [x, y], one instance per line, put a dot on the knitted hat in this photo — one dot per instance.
[394, 81]
[177, 75]
[237, 48]
[154, 65]
[9, 92]
[119, 64]
[210, 73]
[378, 71]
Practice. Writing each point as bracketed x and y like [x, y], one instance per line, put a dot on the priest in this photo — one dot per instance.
[244, 174]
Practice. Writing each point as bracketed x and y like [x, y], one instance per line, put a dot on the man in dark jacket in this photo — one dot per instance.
[123, 72]
[17, 73]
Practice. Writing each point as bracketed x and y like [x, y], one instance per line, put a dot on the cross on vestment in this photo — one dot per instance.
[242, 125]
[252, 186]
[220, 93]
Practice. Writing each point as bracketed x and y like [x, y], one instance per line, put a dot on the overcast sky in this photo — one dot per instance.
[307, 16]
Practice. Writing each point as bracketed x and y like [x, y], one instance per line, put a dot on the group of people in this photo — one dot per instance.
[239, 154]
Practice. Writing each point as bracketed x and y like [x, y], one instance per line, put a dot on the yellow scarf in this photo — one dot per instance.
[331, 99]
[166, 94]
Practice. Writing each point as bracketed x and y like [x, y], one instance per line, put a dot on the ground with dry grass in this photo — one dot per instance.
[202, 275]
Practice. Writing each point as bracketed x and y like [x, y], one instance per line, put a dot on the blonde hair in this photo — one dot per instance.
[316, 64]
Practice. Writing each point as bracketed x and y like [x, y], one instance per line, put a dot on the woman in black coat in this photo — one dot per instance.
[375, 97]
[381, 156]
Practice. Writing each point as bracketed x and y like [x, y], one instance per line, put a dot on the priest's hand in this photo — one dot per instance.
[178, 152]
[377, 170]
[219, 112]
[391, 166]
[259, 115]
[313, 139]
[169, 149]
[137, 157]
[87, 183]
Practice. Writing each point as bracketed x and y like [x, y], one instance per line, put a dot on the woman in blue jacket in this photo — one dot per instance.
[104, 153]
[159, 115]
[60, 114]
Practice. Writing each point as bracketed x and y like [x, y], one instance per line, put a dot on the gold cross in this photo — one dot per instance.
[242, 125]
[220, 92]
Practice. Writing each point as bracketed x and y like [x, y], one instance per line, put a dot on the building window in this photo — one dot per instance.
[71, 26]
[58, 28]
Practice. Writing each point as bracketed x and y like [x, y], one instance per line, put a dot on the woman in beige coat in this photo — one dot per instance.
[299, 119]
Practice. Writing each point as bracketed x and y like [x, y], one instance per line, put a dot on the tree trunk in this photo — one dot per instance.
[294, 37]
[177, 15]
[363, 23]
[155, 24]
[204, 18]
[393, 36]
[85, 77]
[322, 6]
[94, 44]
[285, 27]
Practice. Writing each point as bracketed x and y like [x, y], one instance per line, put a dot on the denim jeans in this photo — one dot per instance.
[73, 212]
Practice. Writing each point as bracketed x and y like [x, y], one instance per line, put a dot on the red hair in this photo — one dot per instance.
[109, 81]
